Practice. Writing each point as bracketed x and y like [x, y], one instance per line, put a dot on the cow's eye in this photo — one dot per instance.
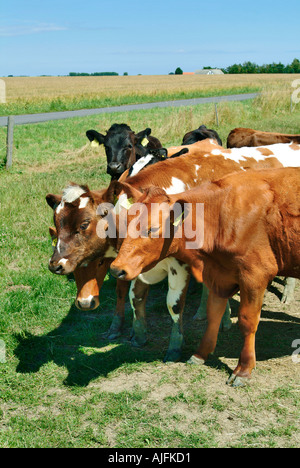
[84, 225]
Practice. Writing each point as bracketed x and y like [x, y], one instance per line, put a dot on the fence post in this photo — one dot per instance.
[10, 140]
[2, 92]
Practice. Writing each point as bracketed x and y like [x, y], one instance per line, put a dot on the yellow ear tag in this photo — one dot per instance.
[54, 242]
[177, 220]
[95, 143]
[145, 141]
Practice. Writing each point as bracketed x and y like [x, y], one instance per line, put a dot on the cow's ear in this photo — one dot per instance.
[159, 153]
[178, 212]
[95, 137]
[53, 233]
[141, 138]
[123, 176]
[163, 153]
[117, 188]
[181, 152]
[53, 200]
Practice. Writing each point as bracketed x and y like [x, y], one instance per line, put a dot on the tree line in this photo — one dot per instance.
[94, 74]
[251, 67]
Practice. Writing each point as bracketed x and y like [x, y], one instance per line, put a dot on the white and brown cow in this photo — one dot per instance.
[250, 232]
[239, 137]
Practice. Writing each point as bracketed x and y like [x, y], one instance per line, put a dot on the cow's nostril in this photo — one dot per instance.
[119, 274]
[87, 304]
[56, 269]
[114, 167]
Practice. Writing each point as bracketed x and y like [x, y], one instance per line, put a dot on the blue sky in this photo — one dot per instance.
[57, 37]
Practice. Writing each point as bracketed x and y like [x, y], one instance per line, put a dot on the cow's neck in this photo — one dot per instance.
[180, 248]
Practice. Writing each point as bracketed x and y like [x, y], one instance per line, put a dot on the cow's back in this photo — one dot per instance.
[274, 197]
[240, 137]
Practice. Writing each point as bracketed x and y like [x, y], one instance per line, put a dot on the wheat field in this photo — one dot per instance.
[45, 94]
[65, 86]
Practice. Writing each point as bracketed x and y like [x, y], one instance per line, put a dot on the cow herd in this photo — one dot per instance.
[228, 217]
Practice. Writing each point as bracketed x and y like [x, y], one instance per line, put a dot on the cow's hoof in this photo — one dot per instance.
[194, 360]
[138, 342]
[115, 330]
[200, 316]
[113, 335]
[172, 355]
[224, 327]
[236, 381]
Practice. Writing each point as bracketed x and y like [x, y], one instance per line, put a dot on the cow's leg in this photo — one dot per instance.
[226, 322]
[138, 296]
[248, 319]
[178, 278]
[201, 312]
[115, 329]
[215, 310]
[202, 315]
[288, 293]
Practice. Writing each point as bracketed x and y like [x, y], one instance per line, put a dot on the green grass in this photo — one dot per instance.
[32, 106]
[64, 384]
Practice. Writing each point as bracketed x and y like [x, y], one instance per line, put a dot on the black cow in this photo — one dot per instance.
[200, 134]
[123, 147]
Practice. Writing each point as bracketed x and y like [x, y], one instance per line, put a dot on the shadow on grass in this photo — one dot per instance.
[79, 344]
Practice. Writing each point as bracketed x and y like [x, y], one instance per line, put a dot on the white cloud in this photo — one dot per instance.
[22, 30]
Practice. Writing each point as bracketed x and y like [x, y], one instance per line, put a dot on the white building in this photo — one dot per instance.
[209, 71]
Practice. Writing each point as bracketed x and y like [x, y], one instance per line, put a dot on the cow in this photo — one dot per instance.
[250, 233]
[239, 137]
[76, 213]
[201, 133]
[123, 147]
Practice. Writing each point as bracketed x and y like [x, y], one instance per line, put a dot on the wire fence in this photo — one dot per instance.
[11, 120]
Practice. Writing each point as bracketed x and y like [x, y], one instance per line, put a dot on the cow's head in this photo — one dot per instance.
[89, 279]
[201, 133]
[151, 224]
[79, 217]
[85, 224]
[121, 147]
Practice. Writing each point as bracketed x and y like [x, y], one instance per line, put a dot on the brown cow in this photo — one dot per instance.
[76, 216]
[240, 137]
[250, 227]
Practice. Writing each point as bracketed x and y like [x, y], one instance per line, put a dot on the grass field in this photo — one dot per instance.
[26, 95]
[63, 384]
